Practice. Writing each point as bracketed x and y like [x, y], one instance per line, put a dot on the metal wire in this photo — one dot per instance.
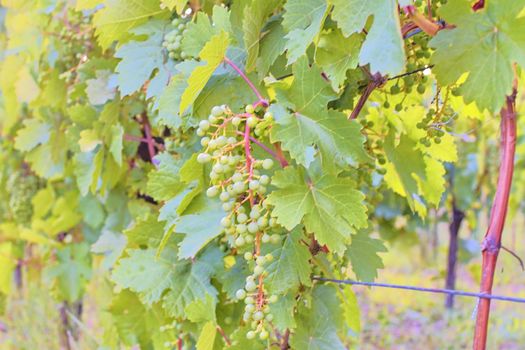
[422, 289]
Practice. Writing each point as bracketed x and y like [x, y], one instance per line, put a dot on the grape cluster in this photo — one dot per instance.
[240, 181]
[436, 124]
[74, 39]
[173, 40]
[22, 189]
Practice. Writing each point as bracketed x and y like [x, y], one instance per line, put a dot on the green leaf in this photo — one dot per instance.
[146, 275]
[311, 124]
[383, 48]
[335, 55]
[111, 245]
[302, 20]
[254, 19]
[141, 58]
[34, 133]
[201, 310]
[362, 253]
[169, 102]
[213, 53]
[272, 45]
[405, 165]
[290, 267]
[72, 271]
[484, 45]
[351, 309]
[317, 327]
[199, 229]
[329, 206]
[284, 312]
[116, 146]
[119, 16]
[192, 282]
[146, 231]
[164, 183]
[178, 5]
[207, 337]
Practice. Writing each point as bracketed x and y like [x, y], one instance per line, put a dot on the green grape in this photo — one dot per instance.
[240, 294]
[22, 188]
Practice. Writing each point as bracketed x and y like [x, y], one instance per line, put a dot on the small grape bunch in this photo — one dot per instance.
[22, 187]
[236, 177]
[257, 309]
[173, 40]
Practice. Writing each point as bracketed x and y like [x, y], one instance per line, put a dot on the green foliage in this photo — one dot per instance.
[134, 146]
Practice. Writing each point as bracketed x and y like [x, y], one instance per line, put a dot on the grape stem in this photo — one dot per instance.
[262, 101]
[224, 336]
[279, 157]
[149, 139]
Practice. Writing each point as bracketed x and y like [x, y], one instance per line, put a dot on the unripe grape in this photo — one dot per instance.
[265, 179]
[246, 317]
[232, 140]
[267, 164]
[236, 177]
[258, 270]
[203, 158]
[250, 307]
[227, 206]
[272, 299]
[269, 317]
[205, 141]
[217, 111]
[260, 260]
[200, 132]
[250, 286]
[236, 121]
[257, 316]
[275, 238]
[268, 116]
[221, 141]
[249, 109]
[239, 187]
[248, 256]
[263, 335]
[212, 191]
[242, 218]
[253, 185]
[268, 257]
[262, 222]
[240, 294]
[241, 228]
[252, 121]
[212, 119]
[226, 222]
[239, 241]
[249, 300]
[253, 227]
[250, 335]
[255, 213]
[224, 196]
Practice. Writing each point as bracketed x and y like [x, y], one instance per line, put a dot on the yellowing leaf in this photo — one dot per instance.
[213, 54]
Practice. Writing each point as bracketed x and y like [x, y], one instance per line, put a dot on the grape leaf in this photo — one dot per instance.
[164, 182]
[383, 48]
[146, 231]
[362, 253]
[119, 16]
[290, 267]
[317, 327]
[484, 44]
[178, 5]
[335, 55]
[140, 58]
[34, 133]
[328, 206]
[302, 20]
[284, 312]
[192, 282]
[271, 46]
[200, 31]
[146, 275]
[254, 18]
[312, 124]
[71, 272]
[405, 165]
[207, 337]
[213, 53]
[199, 229]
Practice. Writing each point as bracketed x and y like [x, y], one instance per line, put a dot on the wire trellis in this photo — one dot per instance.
[423, 289]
